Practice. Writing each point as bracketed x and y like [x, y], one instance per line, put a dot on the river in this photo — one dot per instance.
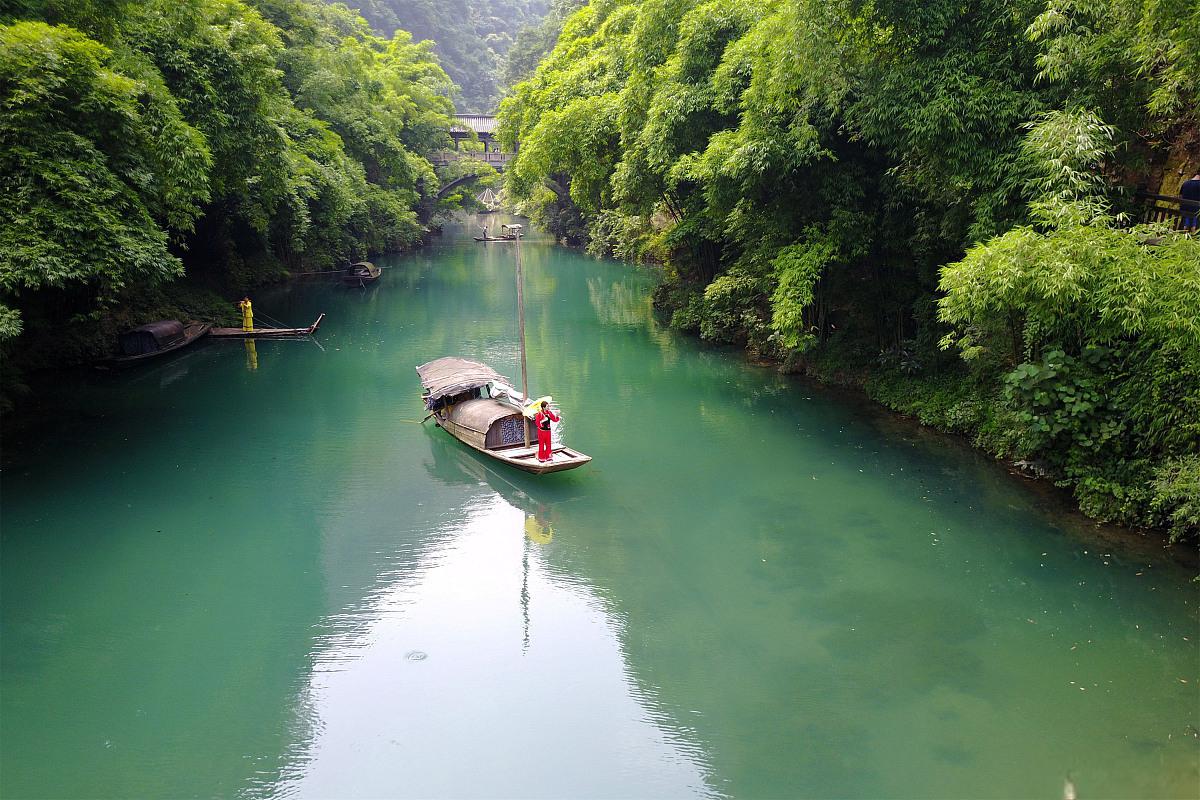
[256, 574]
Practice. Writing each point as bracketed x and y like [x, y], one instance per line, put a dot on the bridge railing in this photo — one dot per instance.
[495, 160]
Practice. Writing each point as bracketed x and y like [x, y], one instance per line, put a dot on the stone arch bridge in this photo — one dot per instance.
[466, 128]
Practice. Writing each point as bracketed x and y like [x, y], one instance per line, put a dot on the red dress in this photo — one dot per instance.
[542, 422]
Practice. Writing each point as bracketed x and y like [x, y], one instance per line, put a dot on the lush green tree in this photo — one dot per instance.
[534, 40]
[236, 139]
[95, 168]
[1099, 324]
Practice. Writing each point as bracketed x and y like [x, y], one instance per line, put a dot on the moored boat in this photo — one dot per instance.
[479, 407]
[156, 339]
[361, 274]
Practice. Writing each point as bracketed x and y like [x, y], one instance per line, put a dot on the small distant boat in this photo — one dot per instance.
[361, 274]
[477, 405]
[265, 333]
[156, 339]
[513, 233]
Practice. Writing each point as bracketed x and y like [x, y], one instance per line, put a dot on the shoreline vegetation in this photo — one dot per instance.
[935, 202]
[160, 157]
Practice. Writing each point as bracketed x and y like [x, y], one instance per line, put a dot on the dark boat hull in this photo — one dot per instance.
[191, 333]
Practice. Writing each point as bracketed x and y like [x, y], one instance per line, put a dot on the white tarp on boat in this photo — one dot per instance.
[446, 377]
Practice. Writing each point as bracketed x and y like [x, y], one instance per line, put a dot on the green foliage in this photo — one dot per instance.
[93, 165]
[1078, 280]
[10, 323]
[1177, 495]
[534, 40]
[1145, 49]
[238, 137]
[818, 172]
[1108, 318]
[727, 313]
[628, 237]
[1062, 403]
[797, 268]
[580, 138]
[948, 402]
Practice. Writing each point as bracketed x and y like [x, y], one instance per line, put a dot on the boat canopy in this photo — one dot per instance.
[480, 413]
[152, 337]
[450, 376]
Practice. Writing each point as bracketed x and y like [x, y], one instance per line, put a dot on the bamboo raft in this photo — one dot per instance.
[265, 333]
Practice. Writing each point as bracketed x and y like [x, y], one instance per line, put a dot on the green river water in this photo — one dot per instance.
[254, 575]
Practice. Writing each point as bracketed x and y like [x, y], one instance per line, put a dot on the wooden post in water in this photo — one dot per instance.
[521, 335]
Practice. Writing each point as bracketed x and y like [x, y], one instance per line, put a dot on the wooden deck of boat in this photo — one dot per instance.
[525, 458]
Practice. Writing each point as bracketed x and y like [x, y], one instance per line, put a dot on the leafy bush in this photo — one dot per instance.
[1177, 495]
[728, 312]
[1063, 403]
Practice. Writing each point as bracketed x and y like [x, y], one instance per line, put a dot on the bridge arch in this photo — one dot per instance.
[454, 184]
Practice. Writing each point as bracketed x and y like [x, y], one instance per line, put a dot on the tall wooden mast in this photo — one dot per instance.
[521, 336]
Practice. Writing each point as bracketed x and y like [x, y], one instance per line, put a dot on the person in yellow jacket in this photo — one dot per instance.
[247, 314]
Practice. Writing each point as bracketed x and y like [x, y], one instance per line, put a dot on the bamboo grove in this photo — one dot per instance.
[933, 199]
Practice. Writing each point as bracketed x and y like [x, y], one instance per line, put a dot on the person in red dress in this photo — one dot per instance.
[542, 422]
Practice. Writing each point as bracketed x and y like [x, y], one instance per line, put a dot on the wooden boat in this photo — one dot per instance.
[513, 234]
[361, 274]
[157, 339]
[265, 333]
[476, 405]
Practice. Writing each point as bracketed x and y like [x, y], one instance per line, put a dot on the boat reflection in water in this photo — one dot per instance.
[483, 655]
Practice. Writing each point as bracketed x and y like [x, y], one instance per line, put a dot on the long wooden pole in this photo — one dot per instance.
[521, 333]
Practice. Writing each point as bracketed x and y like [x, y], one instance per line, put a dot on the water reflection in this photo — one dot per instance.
[519, 689]
[251, 355]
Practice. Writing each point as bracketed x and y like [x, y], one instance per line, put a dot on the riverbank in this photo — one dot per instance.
[59, 337]
[938, 389]
[922, 412]
[968, 214]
